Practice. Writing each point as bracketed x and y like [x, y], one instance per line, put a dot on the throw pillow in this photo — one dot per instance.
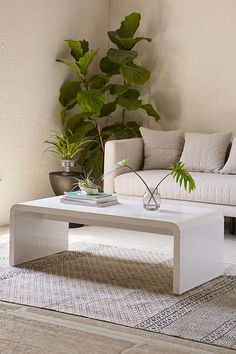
[230, 166]
[161, 147]
[205, 152]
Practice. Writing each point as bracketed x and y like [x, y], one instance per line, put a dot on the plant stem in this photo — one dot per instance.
[123, 110]
[152, 193]
[123, 117]
[139, 177]
[85, 84]
[100, 136]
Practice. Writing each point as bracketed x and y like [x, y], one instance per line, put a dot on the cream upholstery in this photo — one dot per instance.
[161, 147]
[210, 188]
[205, 152]
[213, 189]
[230, 166]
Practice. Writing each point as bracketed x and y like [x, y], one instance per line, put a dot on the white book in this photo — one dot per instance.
[92, 200]
[80, 195]
[85, 203]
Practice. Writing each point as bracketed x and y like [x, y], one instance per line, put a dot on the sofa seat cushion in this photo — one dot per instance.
[210, 187]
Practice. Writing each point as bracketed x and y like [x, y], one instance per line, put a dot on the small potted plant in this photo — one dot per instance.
[67, 149]
[86, 184]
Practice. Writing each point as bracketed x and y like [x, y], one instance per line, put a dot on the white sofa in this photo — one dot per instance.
[213, 190]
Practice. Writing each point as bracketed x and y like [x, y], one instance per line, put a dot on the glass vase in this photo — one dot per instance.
[151, 201]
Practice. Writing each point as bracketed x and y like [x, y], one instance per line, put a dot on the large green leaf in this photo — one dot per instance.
[134, 129]
[95, 163]
[129, 25]
[68, 93]
[134, 74]
[86, 60]
[125, 43]
[84, 46]
[91, 101]
[81, 131]
[76, 49]
[151, 111]
[99, 81]
[114, 37]
[131, 93]
[129, 104]
[74, 122]
[117, 90]
[109, 67]
[121, 56]
[71, 65]
[180, 175]
[107, 109]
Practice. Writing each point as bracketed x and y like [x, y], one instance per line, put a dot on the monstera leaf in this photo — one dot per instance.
[120, 56]
[134, 74]
[68, 93]
[91, 101]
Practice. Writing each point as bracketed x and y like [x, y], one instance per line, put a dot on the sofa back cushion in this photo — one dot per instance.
[230, 166]
[205, 152]
[161, 147]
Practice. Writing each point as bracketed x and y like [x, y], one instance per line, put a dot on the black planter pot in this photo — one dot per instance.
[64, 182]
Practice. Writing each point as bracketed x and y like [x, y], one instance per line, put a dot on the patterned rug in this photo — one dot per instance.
[124, 286]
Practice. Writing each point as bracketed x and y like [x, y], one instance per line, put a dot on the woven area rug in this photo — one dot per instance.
[127, 287]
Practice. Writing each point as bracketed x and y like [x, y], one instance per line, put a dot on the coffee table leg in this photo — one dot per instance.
[32, 237]
[198, 253]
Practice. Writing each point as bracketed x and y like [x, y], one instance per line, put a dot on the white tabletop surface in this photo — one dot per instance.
[126, 208]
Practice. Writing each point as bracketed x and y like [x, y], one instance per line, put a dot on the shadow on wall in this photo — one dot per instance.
[162, 58]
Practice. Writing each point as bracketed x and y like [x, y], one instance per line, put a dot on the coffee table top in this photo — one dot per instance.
[126, 209]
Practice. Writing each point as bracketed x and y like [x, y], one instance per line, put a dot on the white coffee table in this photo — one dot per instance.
[40, 228]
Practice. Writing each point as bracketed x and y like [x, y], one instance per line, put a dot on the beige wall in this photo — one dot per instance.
[31, 37]
[192, 58]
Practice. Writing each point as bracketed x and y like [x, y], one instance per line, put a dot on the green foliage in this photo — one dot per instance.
[120, 61]
[87, 98]
[182, 176]
[121, 56]
[91, 101]
[68, 93]
[87, 181]
[84, 62]
[98, 81]
[62, 145]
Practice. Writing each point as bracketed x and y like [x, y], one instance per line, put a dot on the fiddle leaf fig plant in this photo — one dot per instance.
[122, 61]
[89, 97]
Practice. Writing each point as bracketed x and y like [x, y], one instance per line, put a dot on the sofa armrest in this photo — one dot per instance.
[116, 150]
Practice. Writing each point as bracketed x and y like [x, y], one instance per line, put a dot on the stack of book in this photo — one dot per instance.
[97, 200]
